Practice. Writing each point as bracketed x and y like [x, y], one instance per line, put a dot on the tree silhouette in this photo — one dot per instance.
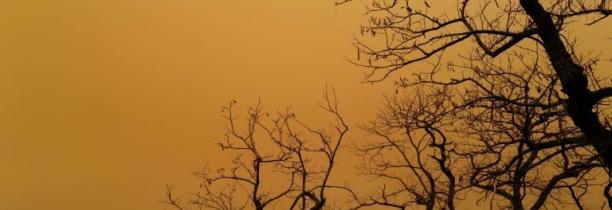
[412, 33]
[533, 108]
[518, 119]
[271, 147]
[488, 133]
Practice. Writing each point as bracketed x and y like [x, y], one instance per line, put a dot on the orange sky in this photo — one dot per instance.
[104, 102]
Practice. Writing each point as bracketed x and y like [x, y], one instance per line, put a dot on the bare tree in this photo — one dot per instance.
[519, 119]
[411, 153]
[498, 132]
[516, 134]
[533, 107]
[270, 148]
[413, 31]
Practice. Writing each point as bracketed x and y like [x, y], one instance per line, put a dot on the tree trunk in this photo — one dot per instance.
[573, 80]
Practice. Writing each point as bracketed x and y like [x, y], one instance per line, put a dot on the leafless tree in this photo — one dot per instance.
[270, 148]
[519, 118]
[533, 107]
[500, 131]
[411, 153]
[516, 135]
[413, 31]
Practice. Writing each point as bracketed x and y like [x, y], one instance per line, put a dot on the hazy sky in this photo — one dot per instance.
[104, 102]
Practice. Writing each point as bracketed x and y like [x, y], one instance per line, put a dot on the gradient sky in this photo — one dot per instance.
[104, 102]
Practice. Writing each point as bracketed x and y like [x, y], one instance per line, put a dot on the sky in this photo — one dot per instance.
[103, 103]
